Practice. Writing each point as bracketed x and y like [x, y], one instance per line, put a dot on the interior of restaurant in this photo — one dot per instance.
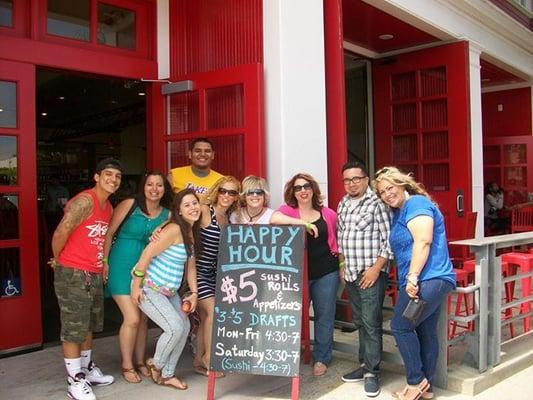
[82, 119]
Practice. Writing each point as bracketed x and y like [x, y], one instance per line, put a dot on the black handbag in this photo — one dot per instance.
[414, 310]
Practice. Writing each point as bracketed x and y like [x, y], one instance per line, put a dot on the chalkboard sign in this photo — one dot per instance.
[258, 301]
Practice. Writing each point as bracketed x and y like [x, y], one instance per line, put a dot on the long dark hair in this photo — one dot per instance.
[194, 246]
[166, 200]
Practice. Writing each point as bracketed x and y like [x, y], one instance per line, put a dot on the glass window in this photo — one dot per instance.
[8, 104]
[8, 161]
[116, 26]
[6, 13]
[10, 284]
[69, 18]
[9, 216]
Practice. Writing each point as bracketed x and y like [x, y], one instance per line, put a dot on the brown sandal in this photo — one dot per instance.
[413, 392]
[143, 369]
[166, 382]
[130, 375]
[155, 372]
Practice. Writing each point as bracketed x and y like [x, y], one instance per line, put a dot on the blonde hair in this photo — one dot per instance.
[211, 196]
[254, 182]
[396, 177]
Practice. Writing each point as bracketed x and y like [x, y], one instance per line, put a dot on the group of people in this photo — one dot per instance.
[170, 230]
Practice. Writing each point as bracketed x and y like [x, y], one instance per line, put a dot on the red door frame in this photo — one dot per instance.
[26, 45]
[20, 316]
[251, 78]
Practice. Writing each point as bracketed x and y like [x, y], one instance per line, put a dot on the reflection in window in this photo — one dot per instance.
[8, 104]
[116, 26]
[69, 18]
[9, 216]
[6, 13]
[8, 160]
[10, 284]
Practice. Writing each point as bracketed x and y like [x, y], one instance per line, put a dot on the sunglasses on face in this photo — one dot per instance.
[298, 188]
[229, 192]
[353, 179]
[256, 192]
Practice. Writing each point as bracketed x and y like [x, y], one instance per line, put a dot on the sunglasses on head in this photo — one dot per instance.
[306, 186]
[257, 192]
[229, 192]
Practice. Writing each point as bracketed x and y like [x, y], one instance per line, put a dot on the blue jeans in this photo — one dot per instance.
[166, 313]
[323, 292]
[418, 344]
[367, 311]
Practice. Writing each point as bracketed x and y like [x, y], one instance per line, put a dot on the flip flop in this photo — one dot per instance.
[143, 369]
[414, 392]
[166, 382]
[198, 369]
[130, 375]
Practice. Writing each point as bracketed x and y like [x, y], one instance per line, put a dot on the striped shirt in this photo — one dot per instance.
[166, 269]
[363, 233]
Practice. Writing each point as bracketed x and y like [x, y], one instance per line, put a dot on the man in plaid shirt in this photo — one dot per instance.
[363, 225]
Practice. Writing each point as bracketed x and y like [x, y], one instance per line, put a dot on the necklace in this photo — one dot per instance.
[251, 217]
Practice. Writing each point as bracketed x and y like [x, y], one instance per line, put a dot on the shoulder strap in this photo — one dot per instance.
[130, 211]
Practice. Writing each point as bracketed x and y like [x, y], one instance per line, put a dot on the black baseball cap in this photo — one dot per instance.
[108, 163]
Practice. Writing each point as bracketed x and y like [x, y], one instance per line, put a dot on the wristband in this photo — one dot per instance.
[342, 264]
[309, 227]
[104, 260]
[138, 274]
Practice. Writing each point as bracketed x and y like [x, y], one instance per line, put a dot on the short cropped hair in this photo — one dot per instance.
[108, 163]
[200, 140]
[355, 164]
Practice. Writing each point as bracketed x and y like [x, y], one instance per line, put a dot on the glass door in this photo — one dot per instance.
[20, 309]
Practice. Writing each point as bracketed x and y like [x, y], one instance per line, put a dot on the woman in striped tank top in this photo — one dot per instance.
[157, 277]
[221, 199]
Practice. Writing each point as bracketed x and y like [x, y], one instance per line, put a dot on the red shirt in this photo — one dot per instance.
[85, 246]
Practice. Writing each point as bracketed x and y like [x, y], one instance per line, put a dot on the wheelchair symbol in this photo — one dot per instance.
[10, 290]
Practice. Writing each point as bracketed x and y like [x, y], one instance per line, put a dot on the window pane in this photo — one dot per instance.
[10, 284]
[8, 104]
[116, 26]
[9, 216]
[184, 112]
[8, 161]
[69, 18]
[6, 13]
[225, 107]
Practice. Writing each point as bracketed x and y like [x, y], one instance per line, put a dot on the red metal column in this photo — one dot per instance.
[335, 98]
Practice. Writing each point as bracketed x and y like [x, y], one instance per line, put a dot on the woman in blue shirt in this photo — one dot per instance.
[418, 241]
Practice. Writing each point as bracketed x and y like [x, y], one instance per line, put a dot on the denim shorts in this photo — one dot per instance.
[81, 302]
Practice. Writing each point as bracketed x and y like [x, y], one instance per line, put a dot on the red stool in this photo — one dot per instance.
[462, 278]
[470, 267]
[524, 261]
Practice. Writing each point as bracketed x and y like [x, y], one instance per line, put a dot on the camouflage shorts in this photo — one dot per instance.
[81, 302]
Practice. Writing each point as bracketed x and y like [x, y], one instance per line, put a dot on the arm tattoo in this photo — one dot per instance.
[77, 210]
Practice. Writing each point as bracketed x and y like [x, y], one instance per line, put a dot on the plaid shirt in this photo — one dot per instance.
[363, 233]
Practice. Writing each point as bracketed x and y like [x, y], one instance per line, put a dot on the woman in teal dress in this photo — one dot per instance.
[131, 226]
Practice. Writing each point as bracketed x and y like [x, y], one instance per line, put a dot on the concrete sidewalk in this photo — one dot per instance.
[41, 376]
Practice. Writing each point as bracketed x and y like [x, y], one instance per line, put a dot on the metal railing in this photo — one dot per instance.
[484, 344]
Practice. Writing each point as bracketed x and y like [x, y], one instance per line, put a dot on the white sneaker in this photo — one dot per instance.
[79, 388]
[95, 376]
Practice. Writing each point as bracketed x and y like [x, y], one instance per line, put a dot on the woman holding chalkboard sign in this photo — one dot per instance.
[254, 210]
[222, 201]
[304, 200]
[157, 277]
